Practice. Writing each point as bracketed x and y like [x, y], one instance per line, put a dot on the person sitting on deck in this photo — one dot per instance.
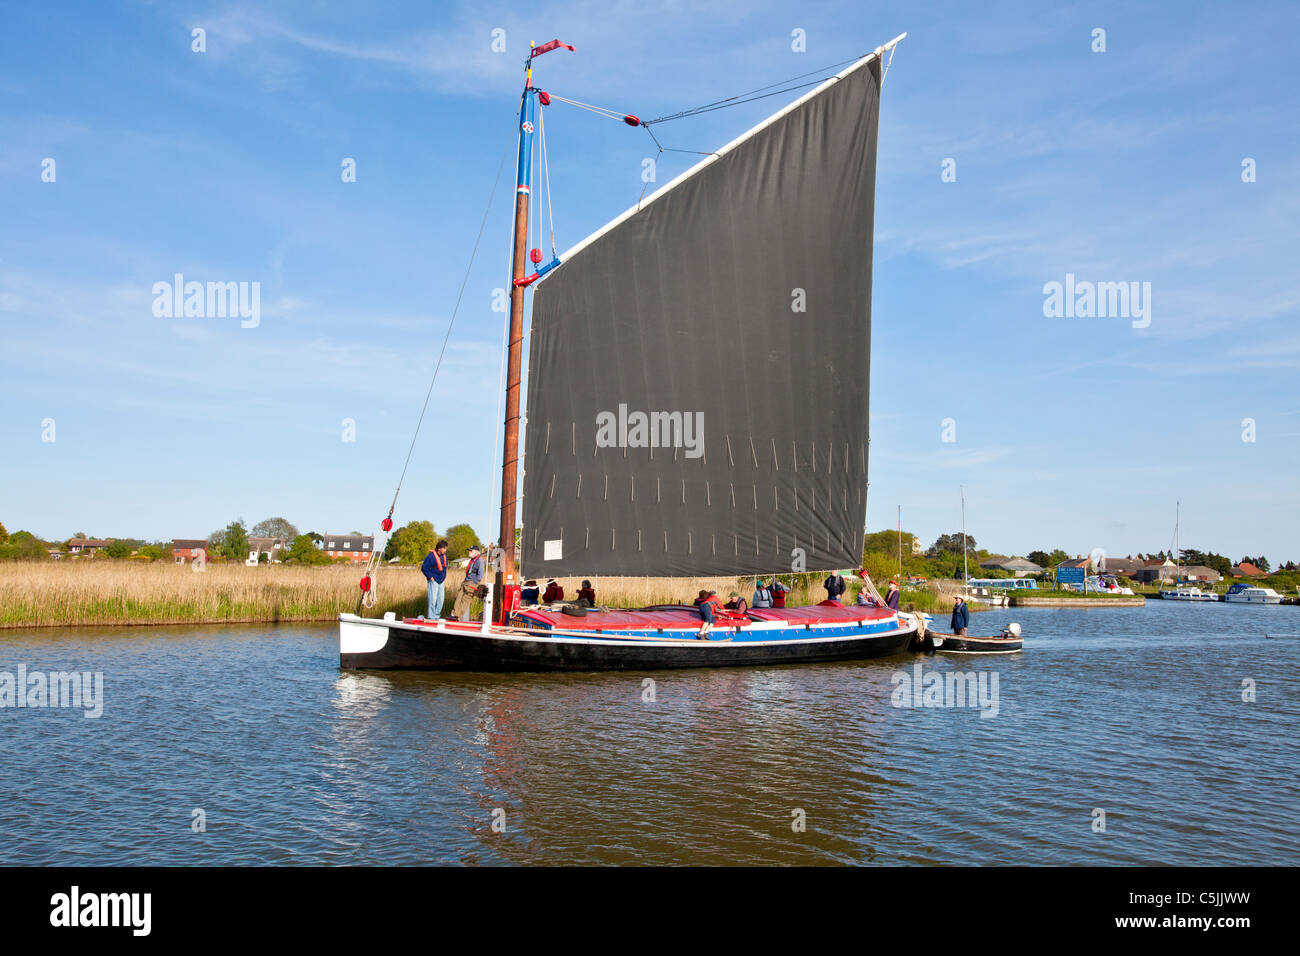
[762, 595]
[554, 592]
[835, 586]
[863, 599]
[779, 591]
[960, 616]
[891, 598]
[737, 603]
[528, 593]
[587, 593]
[709, 608]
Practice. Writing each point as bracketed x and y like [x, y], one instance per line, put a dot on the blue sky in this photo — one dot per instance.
[225, 165]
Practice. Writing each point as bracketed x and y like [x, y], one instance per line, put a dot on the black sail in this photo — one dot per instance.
[698, 372]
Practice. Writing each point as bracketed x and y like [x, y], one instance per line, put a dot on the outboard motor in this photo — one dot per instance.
[1011, 630]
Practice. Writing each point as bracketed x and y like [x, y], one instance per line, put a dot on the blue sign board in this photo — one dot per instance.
[1070, 575]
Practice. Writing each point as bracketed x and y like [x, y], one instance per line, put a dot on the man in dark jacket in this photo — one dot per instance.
[435, 571]
[960, 616]
[835, 586]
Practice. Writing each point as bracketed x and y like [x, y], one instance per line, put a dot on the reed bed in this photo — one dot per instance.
[103, 592]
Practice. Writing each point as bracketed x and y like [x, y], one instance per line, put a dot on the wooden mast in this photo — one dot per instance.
[506, 575]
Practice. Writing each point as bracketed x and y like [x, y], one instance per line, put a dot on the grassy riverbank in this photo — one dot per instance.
[60, 594]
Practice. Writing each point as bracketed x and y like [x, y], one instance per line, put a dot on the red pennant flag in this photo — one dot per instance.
[548, 47]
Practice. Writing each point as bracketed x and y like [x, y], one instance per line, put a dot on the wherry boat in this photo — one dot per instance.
[732, 310]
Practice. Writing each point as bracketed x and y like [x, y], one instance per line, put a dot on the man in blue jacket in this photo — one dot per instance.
[435, 571]
[960, 616]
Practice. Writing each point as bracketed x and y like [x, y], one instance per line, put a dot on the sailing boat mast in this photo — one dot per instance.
[965, 574]
[510, 451]
[1178, 552]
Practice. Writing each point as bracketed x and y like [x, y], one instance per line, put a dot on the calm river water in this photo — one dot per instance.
[1134, 712]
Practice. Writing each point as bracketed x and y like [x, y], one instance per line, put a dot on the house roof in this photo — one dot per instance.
[1248, 570]
[89, 543]
[1200, 570]
[186, 544]
[266, 544]
[355, 541]
[1020, 564]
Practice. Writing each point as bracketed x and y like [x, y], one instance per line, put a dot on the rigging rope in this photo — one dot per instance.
[546, 175]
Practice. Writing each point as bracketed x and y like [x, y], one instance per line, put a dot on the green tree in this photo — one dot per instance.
[1048, 559]
[118, 549]
[274, 528]
[411, 542]
[459, 538]
[951, 544]
[155, 552]
[303, 550]
[4, 535]
[234, 541]
[23, 546]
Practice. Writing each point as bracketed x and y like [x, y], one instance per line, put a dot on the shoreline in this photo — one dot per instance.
[1124, 600]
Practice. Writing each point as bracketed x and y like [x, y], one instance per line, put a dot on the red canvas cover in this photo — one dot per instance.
[824, 613]
[615, 620]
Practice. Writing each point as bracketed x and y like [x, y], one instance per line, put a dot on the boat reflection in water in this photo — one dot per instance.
[741, 762]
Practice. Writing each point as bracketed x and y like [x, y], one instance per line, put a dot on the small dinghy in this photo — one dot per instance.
[1008, 642]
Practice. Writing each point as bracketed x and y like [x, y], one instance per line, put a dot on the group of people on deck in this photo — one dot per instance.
[767, 594]
[434, 570]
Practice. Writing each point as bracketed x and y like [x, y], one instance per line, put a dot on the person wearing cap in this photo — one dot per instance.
[891, 596]
[762, 595]
[474, 572]
[709, 608]
[960, 616]
[554, 592]
[737, 603]
[587, 593]
[434, 570]
[529, 592]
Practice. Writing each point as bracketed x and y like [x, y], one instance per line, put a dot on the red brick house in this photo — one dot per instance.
[355, 547]
[1247, 570]
[186, 550]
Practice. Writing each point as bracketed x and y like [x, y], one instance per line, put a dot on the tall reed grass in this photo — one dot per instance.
[64, 593]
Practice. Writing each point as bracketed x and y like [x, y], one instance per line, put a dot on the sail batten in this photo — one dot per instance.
[729, 312]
